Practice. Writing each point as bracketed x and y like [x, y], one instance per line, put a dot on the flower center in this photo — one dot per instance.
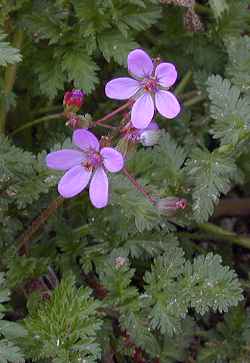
[94, 159]
[150, 85]
[130, 133]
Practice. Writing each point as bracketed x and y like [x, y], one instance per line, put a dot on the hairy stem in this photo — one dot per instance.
[224, 235]
[183, 83]
[138, 186]
[36, 224]
[195, 100]
[9, 80]
[114, 113]
[56, 116]
[212, 232]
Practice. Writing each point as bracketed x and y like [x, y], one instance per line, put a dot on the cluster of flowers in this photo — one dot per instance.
[89, 162]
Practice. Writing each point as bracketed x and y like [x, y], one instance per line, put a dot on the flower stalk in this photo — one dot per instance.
[138, 186]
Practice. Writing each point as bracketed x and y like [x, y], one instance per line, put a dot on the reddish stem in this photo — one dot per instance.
[138, 186]
[36, 224]
[97, 123]
[114, 113]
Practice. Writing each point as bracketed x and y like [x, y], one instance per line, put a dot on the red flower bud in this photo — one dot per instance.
[74, 98]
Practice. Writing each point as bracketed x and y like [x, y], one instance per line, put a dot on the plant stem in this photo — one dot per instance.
[183, 83]
[46, 110]
[114, 113]
[97, 123]
[189, 95]
[37, 223]
[9, 80]
[225, 235]
[195, 100]
[56, 116]
[138, 186]
[212, 232]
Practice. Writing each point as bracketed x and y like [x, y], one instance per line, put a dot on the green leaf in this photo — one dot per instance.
[10, 353]
[239, 61]
[218, 7]
[81, 69]
[8, 54]
[116, 46]
[213, 286]
[210, 174]
[51, 78]
[230, 111]
[64, 328]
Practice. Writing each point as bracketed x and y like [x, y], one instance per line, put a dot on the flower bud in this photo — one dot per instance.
[150, 137]
[74, 98]
[170, 205]
[120, 262]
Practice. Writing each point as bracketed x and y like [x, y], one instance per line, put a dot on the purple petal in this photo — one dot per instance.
[121, 88]
[139, 63]
[74, 181]
[98, 189]
[142, 111]
[64, 159]
[166, 74]
[85, 140]
[152, 126]
[167, 104]
[112, 159]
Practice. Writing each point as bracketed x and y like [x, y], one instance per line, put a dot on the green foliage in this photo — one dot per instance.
[171, 287]
[115, 46]
[8, 54]
[64, 328]
[218, 6]
[175, 285]
[211, 174]
[10, 331]
[230, 111]
[239, 59]
[230, 339]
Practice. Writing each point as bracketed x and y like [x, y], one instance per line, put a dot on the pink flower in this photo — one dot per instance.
[149, 88]
[88, 163]
[74, 98]
[135, 135]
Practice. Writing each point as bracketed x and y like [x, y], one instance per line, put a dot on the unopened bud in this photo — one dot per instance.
[74, 98]
[169, 206]
[120, 262]
[192, 21]
[150, 137]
